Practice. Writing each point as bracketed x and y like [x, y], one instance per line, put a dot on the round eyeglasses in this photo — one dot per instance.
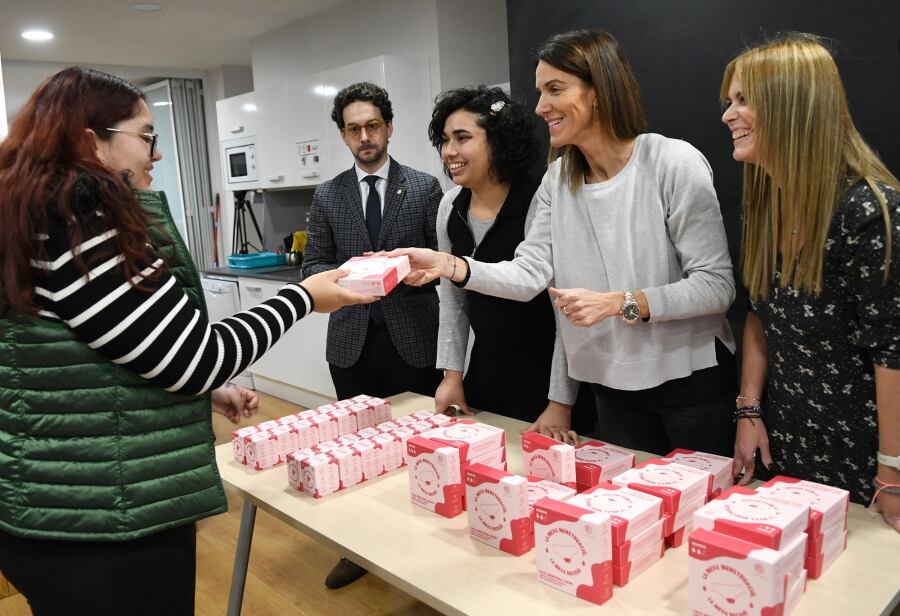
[151, 138]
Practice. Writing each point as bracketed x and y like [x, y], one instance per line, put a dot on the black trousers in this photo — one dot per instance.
[154, 575]
[381, 372]
[695, 412]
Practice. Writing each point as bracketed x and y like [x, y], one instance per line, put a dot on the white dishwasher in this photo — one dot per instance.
[223, 299]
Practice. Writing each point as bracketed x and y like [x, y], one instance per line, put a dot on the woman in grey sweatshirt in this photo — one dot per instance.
[628, 232]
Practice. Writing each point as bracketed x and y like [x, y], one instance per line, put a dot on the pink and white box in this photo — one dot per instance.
[346, 421]
[470, 437]
[818, 562]
[368, 432]
[365, 414]
[434, 480]
[495, 458]
[674, 483]
[544, 488]
[326, 426]
[828, 505]
[348, 439]
[320, 475]
[572, 550]
[732, 576]
[349, 466]
[637, 562]
[374, 275]
[393, 454]
[596, 461]
[370, 456]
[423, 414]
[381, 408]
[548, 458]
[498, 509]
[631, 512]
[237, 442]
[307, 433]
[439, 419]
[295, 474]
[763, 519]
[288, 438]
[262, 450]
[719, 467]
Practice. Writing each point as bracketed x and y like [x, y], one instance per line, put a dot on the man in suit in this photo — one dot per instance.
[390, 346]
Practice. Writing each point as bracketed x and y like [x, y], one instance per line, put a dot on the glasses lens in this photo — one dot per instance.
[374, 126]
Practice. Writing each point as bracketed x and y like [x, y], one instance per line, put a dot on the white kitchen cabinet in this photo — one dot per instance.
[295, 368]
[238, 123]
[273, 147]
[307, 121]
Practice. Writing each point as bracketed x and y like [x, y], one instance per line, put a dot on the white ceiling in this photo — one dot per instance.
[185, 34]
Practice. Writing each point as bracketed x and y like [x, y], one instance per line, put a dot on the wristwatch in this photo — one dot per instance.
[630, 310]
[892, 461]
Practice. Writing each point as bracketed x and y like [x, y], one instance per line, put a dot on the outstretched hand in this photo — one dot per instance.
[328, 295]
[425, 265]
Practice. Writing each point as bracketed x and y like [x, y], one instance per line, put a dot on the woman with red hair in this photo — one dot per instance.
[107, 359]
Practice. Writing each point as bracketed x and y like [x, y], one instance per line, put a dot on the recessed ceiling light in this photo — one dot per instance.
[249, 107]
[325, 90]
[162, 103]
[146, 7]
[37, 35]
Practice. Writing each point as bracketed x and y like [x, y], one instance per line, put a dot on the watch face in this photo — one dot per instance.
[631, 312]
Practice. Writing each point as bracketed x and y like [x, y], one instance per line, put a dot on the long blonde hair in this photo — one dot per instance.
[811, 153]
[595, 57]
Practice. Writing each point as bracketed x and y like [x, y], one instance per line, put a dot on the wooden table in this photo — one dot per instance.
[434, 559]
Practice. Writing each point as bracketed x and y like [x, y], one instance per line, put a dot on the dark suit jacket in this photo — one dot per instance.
[337, 231]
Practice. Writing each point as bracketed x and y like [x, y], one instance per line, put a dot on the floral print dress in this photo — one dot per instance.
[820, 399]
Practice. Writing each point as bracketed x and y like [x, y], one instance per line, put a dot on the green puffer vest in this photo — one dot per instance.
[89, 450]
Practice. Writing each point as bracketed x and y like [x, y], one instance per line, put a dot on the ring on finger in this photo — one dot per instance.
[566, 309]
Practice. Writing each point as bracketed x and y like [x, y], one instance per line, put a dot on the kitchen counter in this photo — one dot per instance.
[284, 273]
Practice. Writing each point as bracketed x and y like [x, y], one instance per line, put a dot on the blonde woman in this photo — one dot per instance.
[821, 359]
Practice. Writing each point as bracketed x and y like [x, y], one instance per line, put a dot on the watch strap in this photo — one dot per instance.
[892, 461]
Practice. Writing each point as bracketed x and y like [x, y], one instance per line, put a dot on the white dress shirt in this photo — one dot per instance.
[380, 185]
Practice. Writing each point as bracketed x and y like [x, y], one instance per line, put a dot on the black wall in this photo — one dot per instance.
[679, 49]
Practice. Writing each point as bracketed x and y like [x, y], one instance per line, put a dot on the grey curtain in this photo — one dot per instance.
[193, 163]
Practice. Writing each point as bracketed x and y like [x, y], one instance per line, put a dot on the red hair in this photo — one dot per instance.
[47, 151]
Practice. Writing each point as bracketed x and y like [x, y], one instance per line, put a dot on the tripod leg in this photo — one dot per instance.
[255, 224]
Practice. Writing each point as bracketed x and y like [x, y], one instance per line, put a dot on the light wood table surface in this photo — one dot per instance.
[433, 558]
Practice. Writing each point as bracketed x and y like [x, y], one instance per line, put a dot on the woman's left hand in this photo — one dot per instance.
[234, 402]
[584, 308]
[889, 506]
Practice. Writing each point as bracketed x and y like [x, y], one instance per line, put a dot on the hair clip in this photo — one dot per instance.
[497, 106]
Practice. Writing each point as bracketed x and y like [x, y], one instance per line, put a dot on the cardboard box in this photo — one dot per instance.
[237, 443]
[828, 505]
[630, 569]
[817, 564]
[434, 480]
[346, 421]
[548, 458]
[631, 512]
[719, 467]
[683, 518]
[674, 483]
[393, 454]
[498, 509]
[368, 432]
[470, 437]
[633, 549]
[596, 461]
[320, 475]
[364, 414]
[326, 427]
[732, 576]
[295, 474]
[262, 451]
[544, 488]
[760, 518]
[375, 275]
[349, 466]
[370, 457]
[573, 552]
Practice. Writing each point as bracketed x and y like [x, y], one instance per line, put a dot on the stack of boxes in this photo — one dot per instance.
[683, 490]
[573, 551]
[548, 458]
[747, 554]
[596, 462]
[497, 503]
[827, 528]
[719, 468]
[636, 523]
[443, 454]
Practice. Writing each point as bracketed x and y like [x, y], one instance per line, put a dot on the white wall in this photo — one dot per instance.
[473, 45]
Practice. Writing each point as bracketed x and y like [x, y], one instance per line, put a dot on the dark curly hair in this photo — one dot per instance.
[363, 91]
[509, 130]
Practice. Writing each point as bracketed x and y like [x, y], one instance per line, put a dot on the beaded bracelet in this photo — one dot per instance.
[749, 412]
[452, 259]
[750, 398]
[887, 488]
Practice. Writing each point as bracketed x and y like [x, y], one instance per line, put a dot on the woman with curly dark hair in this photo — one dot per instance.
[487, 144]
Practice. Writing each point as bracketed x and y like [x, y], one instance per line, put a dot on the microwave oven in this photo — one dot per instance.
[240, 163]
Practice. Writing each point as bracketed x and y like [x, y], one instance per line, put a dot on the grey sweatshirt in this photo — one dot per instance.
[654, 227]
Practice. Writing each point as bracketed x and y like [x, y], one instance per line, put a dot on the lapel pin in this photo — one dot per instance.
[399, 191]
